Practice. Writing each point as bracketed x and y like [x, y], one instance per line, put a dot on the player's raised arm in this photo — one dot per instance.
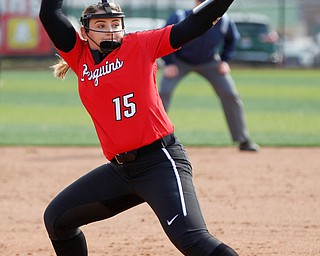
[202, 18]
[58, 27]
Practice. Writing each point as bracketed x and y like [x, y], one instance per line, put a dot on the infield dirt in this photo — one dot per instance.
[261, 204]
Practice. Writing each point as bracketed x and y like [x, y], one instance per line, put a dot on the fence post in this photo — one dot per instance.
[282, 27]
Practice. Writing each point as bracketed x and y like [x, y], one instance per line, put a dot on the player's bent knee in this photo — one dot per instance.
[55, 224]
[49, 220]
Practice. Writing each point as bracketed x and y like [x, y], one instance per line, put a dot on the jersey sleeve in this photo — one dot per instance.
[73, 57]
[156, 42]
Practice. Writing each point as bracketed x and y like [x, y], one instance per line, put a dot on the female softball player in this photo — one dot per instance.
[117, 85]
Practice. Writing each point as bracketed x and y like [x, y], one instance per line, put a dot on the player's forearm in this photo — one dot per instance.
[58, 27]
[198, 22]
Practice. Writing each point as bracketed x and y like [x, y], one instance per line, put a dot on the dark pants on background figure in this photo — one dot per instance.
[223, 85]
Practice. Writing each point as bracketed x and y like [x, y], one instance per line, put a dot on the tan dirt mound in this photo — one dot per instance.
[261, 204]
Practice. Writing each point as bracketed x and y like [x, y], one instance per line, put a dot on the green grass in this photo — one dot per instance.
[282, 108]
[38, 109]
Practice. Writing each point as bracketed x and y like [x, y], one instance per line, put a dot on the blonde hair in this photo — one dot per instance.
[61, 68]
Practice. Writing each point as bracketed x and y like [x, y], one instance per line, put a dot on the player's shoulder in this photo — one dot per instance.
[146, 33]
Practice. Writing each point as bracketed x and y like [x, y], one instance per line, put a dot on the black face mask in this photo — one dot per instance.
[109, 46]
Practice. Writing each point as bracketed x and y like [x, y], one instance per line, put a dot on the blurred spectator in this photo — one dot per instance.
[202, 56]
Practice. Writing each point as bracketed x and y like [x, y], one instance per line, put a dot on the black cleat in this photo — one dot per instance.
[249, 146]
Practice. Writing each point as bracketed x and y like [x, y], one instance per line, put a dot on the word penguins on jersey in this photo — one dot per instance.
[101, 71]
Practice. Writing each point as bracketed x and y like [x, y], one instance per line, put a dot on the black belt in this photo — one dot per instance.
[132, 155]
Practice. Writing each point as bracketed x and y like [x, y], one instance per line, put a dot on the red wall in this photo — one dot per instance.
[21, 31]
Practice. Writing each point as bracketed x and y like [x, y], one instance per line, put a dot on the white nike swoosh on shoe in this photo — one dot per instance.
[169, 222]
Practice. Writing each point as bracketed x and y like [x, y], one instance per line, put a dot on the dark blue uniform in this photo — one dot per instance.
[203, 55]
[221, 41]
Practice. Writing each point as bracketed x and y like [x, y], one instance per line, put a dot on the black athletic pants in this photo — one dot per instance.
[163, 179]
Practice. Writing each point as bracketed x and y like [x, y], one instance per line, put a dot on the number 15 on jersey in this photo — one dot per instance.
[124, 106]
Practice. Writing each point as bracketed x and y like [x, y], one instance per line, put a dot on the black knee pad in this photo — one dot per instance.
[76, 246]
[224, 250]
[55, 223]
[195, 243]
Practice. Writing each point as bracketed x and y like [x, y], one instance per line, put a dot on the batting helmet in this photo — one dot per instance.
[110, 12]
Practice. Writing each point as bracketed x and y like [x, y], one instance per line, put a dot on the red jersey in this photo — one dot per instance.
[120, 93]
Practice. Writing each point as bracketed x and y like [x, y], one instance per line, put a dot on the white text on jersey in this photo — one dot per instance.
[102, 71]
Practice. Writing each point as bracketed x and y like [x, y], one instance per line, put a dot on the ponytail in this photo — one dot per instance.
[61, 68]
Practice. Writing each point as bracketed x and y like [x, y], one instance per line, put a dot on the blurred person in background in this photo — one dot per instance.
[202, 56]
